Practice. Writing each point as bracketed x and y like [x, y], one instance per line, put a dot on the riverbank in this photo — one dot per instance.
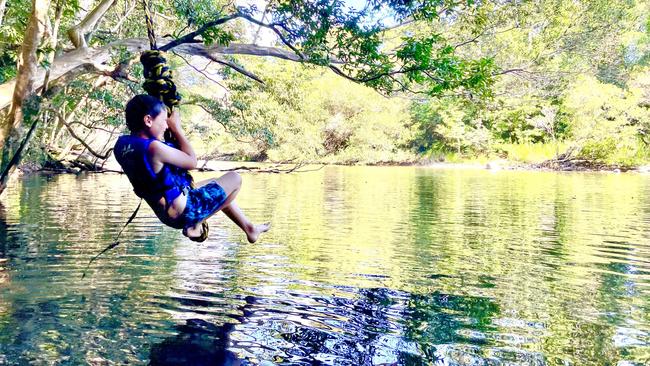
[568, 166]
[76, 167]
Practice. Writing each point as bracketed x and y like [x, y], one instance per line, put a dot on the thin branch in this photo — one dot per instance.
[407, 22]
[373, 77]
[473, 40]
[512, 71]
[105, 145]
[233, 66]
[275, 169]
[257, 33]
[92, 127]
[74, 135]
[200, 71]
[276, 31]
[190, 37]
[126, 15]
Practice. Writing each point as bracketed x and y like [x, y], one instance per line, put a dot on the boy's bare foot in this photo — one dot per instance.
[256, 230]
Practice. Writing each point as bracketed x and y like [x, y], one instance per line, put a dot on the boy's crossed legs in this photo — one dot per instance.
[231, 184]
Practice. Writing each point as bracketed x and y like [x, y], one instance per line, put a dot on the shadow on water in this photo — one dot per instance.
[379, 326]
[197, 343]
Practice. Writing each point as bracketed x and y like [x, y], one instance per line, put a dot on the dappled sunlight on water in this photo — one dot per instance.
[363, 266]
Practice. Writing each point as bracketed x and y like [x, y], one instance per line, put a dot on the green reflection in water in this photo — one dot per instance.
[472, 266]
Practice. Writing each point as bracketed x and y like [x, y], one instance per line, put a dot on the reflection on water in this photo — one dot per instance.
[363, 266]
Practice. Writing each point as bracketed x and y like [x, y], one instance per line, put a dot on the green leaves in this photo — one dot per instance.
[197, 12]
[327, 32]
[216, 35]
[439, 69]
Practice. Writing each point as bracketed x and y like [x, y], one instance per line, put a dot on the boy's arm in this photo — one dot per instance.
[183, 157]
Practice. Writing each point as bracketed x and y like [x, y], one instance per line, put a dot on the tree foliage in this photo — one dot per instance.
[570, 77]
[481, 76]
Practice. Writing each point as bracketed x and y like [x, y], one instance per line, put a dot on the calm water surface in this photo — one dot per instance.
[363, 266]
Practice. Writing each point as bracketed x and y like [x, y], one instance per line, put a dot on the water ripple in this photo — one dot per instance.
[363, 266]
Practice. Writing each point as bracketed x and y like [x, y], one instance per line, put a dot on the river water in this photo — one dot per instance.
[363, 266]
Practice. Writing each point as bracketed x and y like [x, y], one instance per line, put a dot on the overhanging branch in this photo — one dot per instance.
[86, 60]
[74, 135]
[77, 34]
[191, 37]
[201, 51]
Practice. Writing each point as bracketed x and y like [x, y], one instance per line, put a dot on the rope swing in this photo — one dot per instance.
[158, 76]
[159, 84]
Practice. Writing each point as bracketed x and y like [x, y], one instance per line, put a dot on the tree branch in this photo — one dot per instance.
[77, 34]
[124, 17]
[216, 58]
[254, 50]
[190, 37]
[74, 135]
[200, 71]
[85, 60]
[53, 43]
[511, 71]
[92, 127]
[276, 31]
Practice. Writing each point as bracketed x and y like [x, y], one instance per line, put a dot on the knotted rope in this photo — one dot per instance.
[158, 78]
[158, 83]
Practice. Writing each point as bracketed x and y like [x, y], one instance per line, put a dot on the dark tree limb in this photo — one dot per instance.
[104, 156]
[213, 56]
[191, 37]
[202, 72]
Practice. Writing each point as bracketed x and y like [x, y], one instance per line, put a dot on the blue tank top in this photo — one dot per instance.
[131, 154]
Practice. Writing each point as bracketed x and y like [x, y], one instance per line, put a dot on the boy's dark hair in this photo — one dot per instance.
[140, 106]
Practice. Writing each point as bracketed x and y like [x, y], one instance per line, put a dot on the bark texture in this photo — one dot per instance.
[3, 5]
[86, 60]
[79, 32]
[11, 131]
[27, 67]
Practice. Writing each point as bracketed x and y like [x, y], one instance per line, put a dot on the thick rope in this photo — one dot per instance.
[158, 83]
[149, 20]
[158, 78]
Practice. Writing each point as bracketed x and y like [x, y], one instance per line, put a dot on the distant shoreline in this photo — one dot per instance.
[495, 165]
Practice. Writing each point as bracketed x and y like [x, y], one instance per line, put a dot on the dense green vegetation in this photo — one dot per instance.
[391, 83]
[571, 83]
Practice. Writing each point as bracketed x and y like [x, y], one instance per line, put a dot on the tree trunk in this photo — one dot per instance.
[27, 64]
[22, 113]
[3, 5]
[24, 103]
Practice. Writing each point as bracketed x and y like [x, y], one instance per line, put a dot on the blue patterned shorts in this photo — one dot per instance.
[201, 203]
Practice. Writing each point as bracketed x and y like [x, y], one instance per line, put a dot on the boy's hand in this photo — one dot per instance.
[174, 121]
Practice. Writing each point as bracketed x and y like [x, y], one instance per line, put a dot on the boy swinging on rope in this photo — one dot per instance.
[158, 172]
